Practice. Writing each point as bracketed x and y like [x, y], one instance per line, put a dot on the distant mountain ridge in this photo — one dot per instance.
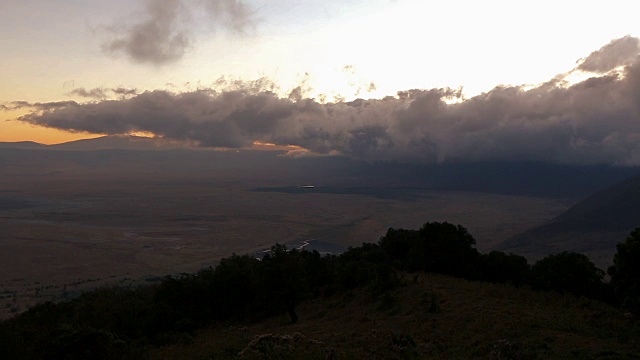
[29, 145]
[110, 142]
[593, 226]
[614, 208]
[117, 142]
[513, 178]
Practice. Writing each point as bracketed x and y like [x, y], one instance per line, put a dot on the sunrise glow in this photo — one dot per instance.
[350, 50]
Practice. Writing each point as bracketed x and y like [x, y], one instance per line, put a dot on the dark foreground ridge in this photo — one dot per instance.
[380, 300]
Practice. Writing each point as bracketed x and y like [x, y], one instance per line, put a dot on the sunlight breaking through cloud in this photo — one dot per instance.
[593, 121]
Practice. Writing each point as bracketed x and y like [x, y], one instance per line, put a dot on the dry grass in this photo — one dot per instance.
[432, 317]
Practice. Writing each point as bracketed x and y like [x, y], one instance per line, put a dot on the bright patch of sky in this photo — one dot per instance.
[339, 49]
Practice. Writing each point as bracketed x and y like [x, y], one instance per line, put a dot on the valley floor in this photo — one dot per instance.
[65, 240]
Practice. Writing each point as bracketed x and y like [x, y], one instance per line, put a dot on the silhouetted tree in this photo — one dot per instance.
[568, 272]
[625, 272]
[317, 270]
[234, 287]
[368, 265]
[399, 243]
[436, 247]
[283, 279]
[498, 267]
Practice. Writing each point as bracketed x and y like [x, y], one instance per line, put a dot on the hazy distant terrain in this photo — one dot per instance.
[593, 226]
[74, 219]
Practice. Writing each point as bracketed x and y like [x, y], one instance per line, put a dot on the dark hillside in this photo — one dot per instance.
[593, 226]
[616, 208]
[379, 300]
[432, 317]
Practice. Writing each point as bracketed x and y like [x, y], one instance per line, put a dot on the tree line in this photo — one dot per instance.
[119, 322]
[449, 249]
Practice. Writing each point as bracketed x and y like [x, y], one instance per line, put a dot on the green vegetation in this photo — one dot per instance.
[378, 300]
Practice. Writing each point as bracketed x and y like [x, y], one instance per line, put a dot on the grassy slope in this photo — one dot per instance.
[433, 317]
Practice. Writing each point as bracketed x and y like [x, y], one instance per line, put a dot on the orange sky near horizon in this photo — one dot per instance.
[12, 130]
[331, 49]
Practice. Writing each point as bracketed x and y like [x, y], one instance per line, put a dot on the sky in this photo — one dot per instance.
[405, 80]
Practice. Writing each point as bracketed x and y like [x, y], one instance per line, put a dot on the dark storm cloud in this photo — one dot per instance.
[165, 30]
[593, 121]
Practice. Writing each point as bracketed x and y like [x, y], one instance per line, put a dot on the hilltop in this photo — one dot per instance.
[430, 317]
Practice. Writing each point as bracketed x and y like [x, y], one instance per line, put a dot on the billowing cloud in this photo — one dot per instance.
[38, 107]
[235, 15]
[619, 52]
[165, 30]
[595, 121]
[124, 91]
[95, 93]
[102, 93]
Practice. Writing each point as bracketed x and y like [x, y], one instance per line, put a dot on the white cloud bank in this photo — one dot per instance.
[596, 121]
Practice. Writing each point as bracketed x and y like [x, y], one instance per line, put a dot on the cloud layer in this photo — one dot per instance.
[596, 121]
[166, 28]
[102, 93]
